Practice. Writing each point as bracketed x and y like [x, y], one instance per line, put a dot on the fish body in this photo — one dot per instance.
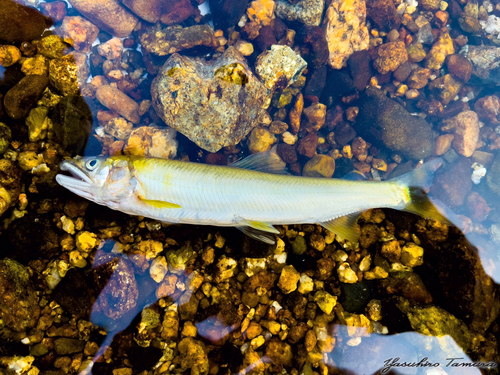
[239, 195]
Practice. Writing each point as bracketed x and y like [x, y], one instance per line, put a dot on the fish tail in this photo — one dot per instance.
[418, 183]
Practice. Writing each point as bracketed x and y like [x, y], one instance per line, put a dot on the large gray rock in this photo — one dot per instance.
[215, 104]
[382, 120]
[485, 62]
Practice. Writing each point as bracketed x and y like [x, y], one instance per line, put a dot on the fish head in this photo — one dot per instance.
[104, 180]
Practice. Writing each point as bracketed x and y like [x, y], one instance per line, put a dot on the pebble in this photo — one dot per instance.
[260, 140]
[346, 274]
[376, 273]
[465, 127]
[442, 48]
[108, 15]
[452, 185]
[391, 250]
[37, 65]
[306, 284]
[82, 32]
[119, 128]
[279, 352]
[9, 55]
[319, 166]
[419, 78]
[443, 144]
[445, 88]
[345, 35]
[288, 280]
[119, 102]
[296, 113]
[488, 108]
[478, 207]
[76, 259]
[55, 10]
[111, 50]
[412, 255]
[158, 269]
[5, 200]
[150, 10]
[63, 75]
[416, 52]
[5, 137]
[308, 12]
[325, 301]
[307, 145]
[289, 138]
[390, 56]
[261, 11]
[316, 115]
[459, 66]
[20, 99]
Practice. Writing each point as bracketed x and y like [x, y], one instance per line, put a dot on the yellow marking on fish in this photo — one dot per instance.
[160, 204]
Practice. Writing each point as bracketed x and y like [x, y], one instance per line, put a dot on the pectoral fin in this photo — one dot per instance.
[344, 226]
[160, 204]
[258, 230]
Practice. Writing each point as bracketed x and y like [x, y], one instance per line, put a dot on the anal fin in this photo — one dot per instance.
[159, 204]
[345, 226]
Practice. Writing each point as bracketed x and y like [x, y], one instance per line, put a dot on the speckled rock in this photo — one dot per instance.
[440, 49]
[326, 302]
[465, 127]
[192, 355]
[407, 284]
[419, 78]
[82, 32]
[488, 108]
[215, 104]
[72, 120]
[51, 46]
[111, 50]
[412, 255]
[389, 56]
[9, 55]
[63, 75]
[175, 12]
[260, 140]
[151, 142]
[319, 166]
[346, 34]
[308, 12]
[19, 99]
[416, 52]
[19, 308]
[279, 67]
[316, 115]
[37, 65]
[162, 41]
[384, 14]
[288, 279]
[261, 11]
[445, 88]
[383, 120]
[117, 101]
[485, 62]
[108, 15]
[25, 23]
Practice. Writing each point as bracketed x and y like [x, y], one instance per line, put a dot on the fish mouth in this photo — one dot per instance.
[79, 182]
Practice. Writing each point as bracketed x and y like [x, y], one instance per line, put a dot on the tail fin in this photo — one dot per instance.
[418, 183]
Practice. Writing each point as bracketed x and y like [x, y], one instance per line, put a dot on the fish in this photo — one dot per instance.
[253, 194]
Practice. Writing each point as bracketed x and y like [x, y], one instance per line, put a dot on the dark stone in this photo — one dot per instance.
[382, 120]
[65, 346]
[72, 120]
[407, 284]
[338, 85]
[383, 13]
[402, 72]
[313, 38]
[24, 23]
[316, 83]
[74, 294]
[452, 185]
[19, 100]
[266, 38]
[493, 177]
[307, 145]
[361, 69]
[287, 153]
[459, 66]
[19, 308]
[355, 296]
[344, 133]
[227, 13]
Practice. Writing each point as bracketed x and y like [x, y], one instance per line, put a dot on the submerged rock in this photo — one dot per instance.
[384, 120]
[485, 62]
[452, 185]
[151, 142]
[19, 99]
[117, 101]
[227, 13]
[308, 12]
[148, 10]
[109, 15]
[465, 127]
[24, 23]
[345, 34]
[215, 104]
[162, 41]
[19, 308]
[82, 32]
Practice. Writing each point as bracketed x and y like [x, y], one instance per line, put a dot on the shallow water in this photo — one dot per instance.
[344, 90]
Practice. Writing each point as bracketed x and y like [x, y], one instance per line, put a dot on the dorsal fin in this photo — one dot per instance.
[267, 161]
[345, 226]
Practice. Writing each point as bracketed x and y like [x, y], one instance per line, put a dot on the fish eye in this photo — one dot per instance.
[92, 164]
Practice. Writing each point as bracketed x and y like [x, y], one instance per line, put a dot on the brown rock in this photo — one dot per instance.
[307, 145]
[24, 23]
[443, 144]
[440, 49]
[319, 166]
[477, 206]
[391, 250]
[416, 52]
[359, 148]
[82, 32]
[445, 88]
[192, 355]
[369, 235]
[419, 78]
[383, 13]
[148, 10]
[408, 284]
[315, 114]
[296, 113]
[177, 11]
[346, 34]
[117, 101]
[466, 130]
[55, 10]
[279, 352]
[453, 184]
[389, 56]
[488, 108]
[109, 15]
[402, 72]
[460, 66]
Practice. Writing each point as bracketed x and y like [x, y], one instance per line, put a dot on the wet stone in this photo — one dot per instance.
[453, 183]
[391, 250]
[478, 207]
[227, 13]
[412, 255]
[119, 102]
[25, 23]
[279, 352]
[9, 55]
[63, 75]
[288, 279]
[493, 177]
[485, 62]
[307, 145]
[345, 35]
[488, 108]
[55, 10]
[445, 88]
[82, 32]
[65, 346]
[389, 56]
[465, 127]
[308, 12]
[326, 302]
[443, 144]
[38, 65]
[459, 66]
[419, 78]
[416, 52]
[19, 308]
[260, 140]
[108, 15]
[206, 98]
[162, 41]
[19, 99]
[5, 138]
[149, 11]
[384, 14]
[408, 284]
[52, 46]
[402, 72]
[319, 166]
[383, 120]
[174, 12]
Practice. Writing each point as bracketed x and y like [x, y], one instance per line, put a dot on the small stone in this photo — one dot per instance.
[307, 145]
[24, 23]
[452, 185]
[306, 284]
[443, 144]
[365, 263]
[478, 207]
[389, 56]
[459, 66]
[326, 302]
[245, 48]
[391, 250]
[5, 138]
[83, 33]
[193, 355]
[55, 10]
[279, 352]
[416, 52]
[20, 99]
[9, 55]
[152, 142]
[376, 273]
[440, 49]
[431, 4]
[484, 61]
[288, 280]
[346, 274]
[319, 166]
[261, 11]
[174, 12]
[86, 241]
[76, 259]
[189, 330]
[445, 88]
[488, 108]
[347, 34]
[412, 255]
[316, 114]
[260, 140]
[38, 65]
[111, 50]
[295, 113]
[308, 12]
[63, 75]
[29, 160]
[419, 78]
[117, 101]
[466, 132]
[402, 72]
[279, 67]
